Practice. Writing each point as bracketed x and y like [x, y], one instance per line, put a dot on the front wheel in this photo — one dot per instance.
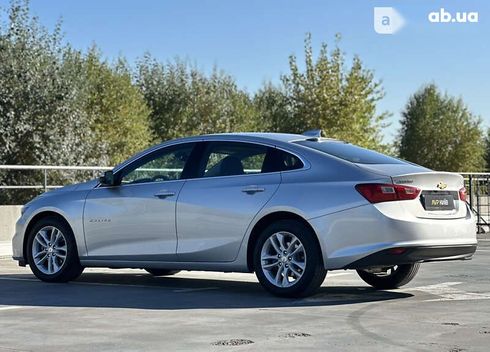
[52, 251]
[288, 260]
[389, 277]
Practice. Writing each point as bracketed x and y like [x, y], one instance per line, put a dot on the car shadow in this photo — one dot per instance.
[108, 290]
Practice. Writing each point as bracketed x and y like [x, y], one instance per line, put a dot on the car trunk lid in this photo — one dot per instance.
[439, 197]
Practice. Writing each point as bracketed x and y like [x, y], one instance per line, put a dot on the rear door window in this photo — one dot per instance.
[232, 158]
[241, 158]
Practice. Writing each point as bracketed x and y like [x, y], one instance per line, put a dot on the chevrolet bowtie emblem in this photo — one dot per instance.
[441, 185]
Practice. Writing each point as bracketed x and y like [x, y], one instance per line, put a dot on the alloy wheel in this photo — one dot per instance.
[49, 250]
[283, 259]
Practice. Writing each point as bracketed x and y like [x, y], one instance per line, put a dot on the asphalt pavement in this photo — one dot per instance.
[445, 308]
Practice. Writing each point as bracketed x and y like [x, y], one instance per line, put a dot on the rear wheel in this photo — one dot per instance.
[162, 272]
[389, 277]
[287, 259]
[52, 251]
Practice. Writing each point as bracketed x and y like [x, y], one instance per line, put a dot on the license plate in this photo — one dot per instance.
[438, 202]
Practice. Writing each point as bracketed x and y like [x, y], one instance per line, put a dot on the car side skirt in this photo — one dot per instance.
[131, 264]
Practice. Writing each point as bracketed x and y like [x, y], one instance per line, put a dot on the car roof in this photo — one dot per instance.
[283, 137]
[256, 136]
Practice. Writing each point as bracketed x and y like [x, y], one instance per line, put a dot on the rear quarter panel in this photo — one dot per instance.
[326, 187]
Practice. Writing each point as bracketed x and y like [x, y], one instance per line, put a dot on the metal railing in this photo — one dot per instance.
[477, 184]
[478, 190]
[45, 169]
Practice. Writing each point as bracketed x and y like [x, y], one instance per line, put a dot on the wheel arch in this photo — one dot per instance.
[35, 219]
[266, 221]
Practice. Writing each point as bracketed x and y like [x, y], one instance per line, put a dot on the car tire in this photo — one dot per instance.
[162, 272]
[52, 239]
[300, 259]
[400, 276]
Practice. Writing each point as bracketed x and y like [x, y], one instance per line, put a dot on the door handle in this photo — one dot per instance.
[253, 189]
[164, 194]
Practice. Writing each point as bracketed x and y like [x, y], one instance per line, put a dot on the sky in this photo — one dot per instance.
[252, 39]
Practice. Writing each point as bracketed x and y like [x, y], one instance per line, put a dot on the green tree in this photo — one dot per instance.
[119, 115]
[439, 132]
[41, 118]
[185, 101]
[487, 150]
[328, 95]
[273, 108]
[60, 106]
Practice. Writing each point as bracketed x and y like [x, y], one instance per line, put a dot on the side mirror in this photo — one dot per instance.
[107, 179]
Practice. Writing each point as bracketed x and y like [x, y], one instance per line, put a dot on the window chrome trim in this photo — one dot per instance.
[153, 149]
[142, 183]
[306, 164]
[157, 150]
[229, 176]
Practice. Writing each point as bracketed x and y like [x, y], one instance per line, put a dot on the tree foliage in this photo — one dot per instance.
[41, 118]
[274, 110]
[185, 101]
[64, 106]
[487, 150]
[119, 114]
[39, 106]
[439, 132]
[59, 106]
[328, 95]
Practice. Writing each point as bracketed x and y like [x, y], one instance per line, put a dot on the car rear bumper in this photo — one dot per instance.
[349, 236]
[409, 255]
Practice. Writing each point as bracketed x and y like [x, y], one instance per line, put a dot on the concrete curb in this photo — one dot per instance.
[5, 249]
[8, 217]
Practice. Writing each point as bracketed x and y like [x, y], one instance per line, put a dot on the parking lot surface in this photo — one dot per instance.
[446, 308]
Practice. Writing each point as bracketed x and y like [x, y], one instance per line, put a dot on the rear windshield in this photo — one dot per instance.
[350, 152]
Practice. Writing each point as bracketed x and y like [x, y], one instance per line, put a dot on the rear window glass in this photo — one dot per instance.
[350, 152]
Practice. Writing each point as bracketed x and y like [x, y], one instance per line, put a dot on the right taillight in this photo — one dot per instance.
[380, 192]
[462, 194]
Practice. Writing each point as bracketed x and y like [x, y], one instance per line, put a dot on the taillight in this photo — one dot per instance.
[462, 194]
[378, 192]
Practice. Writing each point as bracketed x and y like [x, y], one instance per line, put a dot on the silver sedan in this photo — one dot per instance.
[287, 207]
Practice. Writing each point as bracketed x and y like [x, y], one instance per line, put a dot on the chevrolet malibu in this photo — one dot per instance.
[287, 207]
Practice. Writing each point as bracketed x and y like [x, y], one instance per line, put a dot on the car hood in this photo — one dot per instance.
[75, 187]
[69, 188]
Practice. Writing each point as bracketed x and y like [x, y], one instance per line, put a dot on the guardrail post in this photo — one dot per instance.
[470, 189]
[478, 210]
[45, 180]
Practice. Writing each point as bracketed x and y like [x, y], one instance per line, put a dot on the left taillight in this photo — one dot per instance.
[386, 192]
[462, 194]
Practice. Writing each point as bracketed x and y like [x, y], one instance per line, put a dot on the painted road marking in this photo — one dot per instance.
[447, 292]
[340, 274]
[10, 307]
